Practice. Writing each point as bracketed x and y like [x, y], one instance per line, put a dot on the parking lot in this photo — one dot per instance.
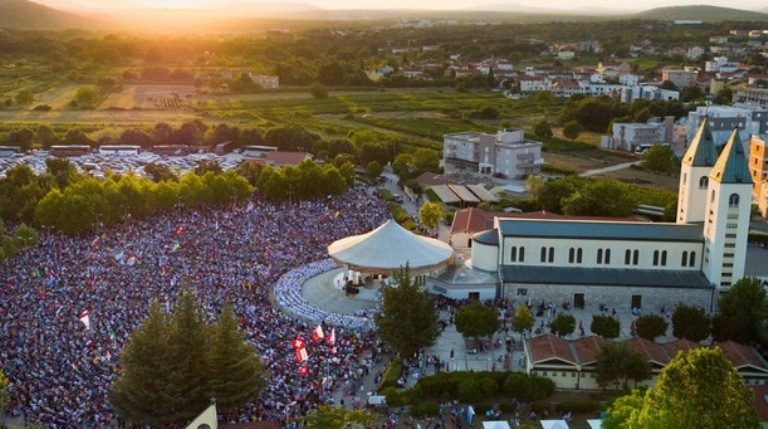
[97, 164]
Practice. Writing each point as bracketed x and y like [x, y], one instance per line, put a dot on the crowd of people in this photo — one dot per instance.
[62, 365]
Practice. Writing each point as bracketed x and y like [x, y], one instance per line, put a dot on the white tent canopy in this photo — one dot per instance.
[389, 247]
[554, 424]
[496, 424]
[595, 423]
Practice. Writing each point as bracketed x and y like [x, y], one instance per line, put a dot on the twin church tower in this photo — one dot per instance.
[716, 191]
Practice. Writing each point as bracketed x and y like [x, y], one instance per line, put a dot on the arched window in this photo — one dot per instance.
[543, 254]
[522, 254]
[663, 258]
[551, 254]
[692, 259]
[636, 257]
[578, 255]
[599, 256]
[513, 254]
[607, 256]
[733, 200]
[684, 259]
[571, 253]
[627, 257]
[703, 182]
[655, 257]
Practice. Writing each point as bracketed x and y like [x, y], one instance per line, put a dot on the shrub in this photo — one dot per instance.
[528, 387]
[393, 372]
[423, 409]
[579, 406]
[476, 389]
[42, 108]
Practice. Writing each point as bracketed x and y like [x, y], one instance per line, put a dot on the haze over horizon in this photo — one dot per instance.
[557, 5]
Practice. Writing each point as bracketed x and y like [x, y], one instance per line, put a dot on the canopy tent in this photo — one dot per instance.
[554, 424]
[389, 247]
[595, 423]
[496, 424]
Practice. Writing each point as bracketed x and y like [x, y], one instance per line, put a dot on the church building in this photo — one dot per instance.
[634, 265]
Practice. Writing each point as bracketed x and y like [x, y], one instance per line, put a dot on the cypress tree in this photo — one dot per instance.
[140, 394]
[235, 369]
[188, 352]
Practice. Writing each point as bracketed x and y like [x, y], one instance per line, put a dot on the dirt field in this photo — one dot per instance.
[582, 163]
[647, 178]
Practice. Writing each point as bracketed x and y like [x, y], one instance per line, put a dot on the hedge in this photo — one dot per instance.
[393, 372]
[526, 387]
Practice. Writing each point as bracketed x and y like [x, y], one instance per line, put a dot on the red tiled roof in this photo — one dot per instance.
[761, 401]
[548, 347]
[740, 354]
[681, 345]
[652, 351]
[588, 348]
[285, 158]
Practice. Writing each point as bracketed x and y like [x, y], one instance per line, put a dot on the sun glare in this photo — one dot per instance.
[175, 4]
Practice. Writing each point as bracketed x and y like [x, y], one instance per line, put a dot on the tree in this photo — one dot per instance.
[87, 97]
[290, 138]
[691, 93]
[408, 321]
[742, 311]
[623, 409]
[188, 375]
[563, 324]
[328, 417]
[724, 97]
[616, 364]
[667, 84]
[430, 214]
[25, 97]
[554, 192]
[208, 165]
[699, 388]
[477, 320]
[251, 137]
[571, 130]
[318, 91]
[235, 369]
[650, 326]
[78, 137]
[543, 129]
[523, 319]
[600, 198]
[141, 392]
[691, 323]
[22, 138]
[46, 137]
[25, 237]
[660, 158]
[605, 326]
[373, 169]
[4, 395]
[159, 172]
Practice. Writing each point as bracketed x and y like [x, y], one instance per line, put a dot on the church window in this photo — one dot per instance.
[704, 182]
[655, 258]
[663, 258]
[571, 253]
[522, 254]
[684, 260]
[635, 257]
[733, 200]
[551, 254]
[578, 255]
[685, 178]
[712, 197]
[627, 257]
[692, 259]
[543, 254]
[513, 254]
[599, 256]
[607, 256]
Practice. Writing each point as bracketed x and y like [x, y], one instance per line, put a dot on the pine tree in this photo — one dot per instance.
[140, 394]
[235, 369]
[188, 351]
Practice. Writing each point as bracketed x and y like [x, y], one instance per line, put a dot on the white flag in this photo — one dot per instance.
[318, 333]
[85, 319]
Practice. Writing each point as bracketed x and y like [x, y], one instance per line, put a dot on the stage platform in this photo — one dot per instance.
[325, 292]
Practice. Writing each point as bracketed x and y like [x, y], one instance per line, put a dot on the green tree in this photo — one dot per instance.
[699, 388]
[208, 165]
[724, 97]
[160, 172]
[23, 138]
[25, 97]
[571, 130]
[318, 91]
[691, 323]
[188, 380]
[623, 409]
[408, 321]
[691, 93]
[26, 236]
[329, 417]
[650, 326]
[600, 198]
[373, 169]
[563, 324]
[46, 137]
[523, 319]
[660, 158]
[554, 193]
[430, 214]
[477, 320]
[87, 97]
[4, 395]
[616, 365]
[141, 393]
[235, 369]
[605, 326]
[543, 129]
[742, 311]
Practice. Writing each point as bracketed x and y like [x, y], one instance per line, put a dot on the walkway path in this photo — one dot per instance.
[601, 171]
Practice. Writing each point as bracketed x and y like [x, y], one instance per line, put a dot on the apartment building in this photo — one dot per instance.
[508, 153]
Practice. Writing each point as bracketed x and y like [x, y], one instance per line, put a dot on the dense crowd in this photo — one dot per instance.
[61, 372]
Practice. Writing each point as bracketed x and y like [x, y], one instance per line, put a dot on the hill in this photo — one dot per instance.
[703, 13]
[27, 15]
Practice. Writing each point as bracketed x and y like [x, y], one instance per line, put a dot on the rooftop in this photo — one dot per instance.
[701, 152]
[732, 165]
[596, 230]
[603, 276]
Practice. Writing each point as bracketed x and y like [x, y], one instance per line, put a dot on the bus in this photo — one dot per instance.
[70, 150]
[224, 148]
[257, 151]
[119, 150]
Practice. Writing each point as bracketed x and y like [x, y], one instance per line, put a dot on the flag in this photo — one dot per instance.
[96, 241]
[332, 340]
[298, 343]
[179, 230]
[470, 415]
[318, 334]
[108, 356]
[175, 247]
[85, 319]
[303, 371]
[301, 355]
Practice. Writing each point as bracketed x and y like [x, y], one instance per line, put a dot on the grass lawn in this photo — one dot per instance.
[645, 178]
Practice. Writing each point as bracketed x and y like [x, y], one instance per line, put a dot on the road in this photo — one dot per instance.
[601, 171]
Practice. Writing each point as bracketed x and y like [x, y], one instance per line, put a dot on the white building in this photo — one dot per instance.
[647, 92]
[265, 81]
[749, 118]
[695, 52]
[507, 153]
[631, 135]
[533, 83]
[634, 264]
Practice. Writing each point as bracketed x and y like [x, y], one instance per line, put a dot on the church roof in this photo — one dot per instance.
[604, 277]
[701, 152]
[596, 230]
[732, 165]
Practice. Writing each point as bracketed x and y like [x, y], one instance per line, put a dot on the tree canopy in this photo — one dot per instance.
[477, 320]
[742, 312]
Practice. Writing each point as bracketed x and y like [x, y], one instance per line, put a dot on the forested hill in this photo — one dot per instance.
[27, 15]
[703, 13]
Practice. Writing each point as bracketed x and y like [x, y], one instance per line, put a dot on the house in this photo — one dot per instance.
[508, 153]
[533, 83]
[680, 78]
[265, 81]
[281, 158]
[694, 52]
[566, 55]
[631, 135]
[750, 118]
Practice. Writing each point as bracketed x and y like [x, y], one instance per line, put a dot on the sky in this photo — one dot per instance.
[400, 4]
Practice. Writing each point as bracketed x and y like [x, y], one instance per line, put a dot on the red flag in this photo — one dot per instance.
[303, 371]
[301, 355]
[95, 241]
[179, 230]
[298, 343]
[318, 334]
